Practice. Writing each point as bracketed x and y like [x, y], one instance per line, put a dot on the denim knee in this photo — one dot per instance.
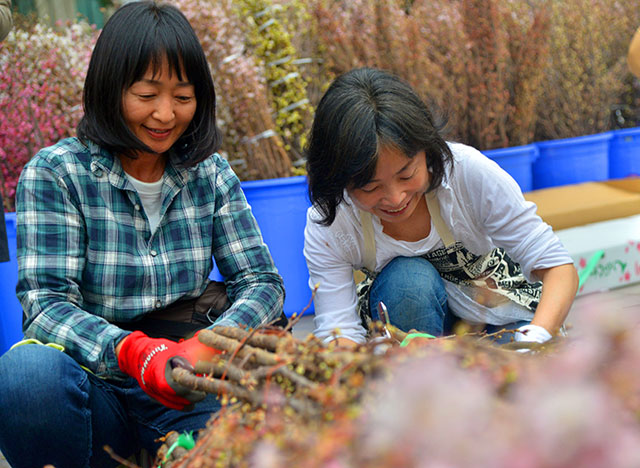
[29, 368]
[414, 294]
[42, 390]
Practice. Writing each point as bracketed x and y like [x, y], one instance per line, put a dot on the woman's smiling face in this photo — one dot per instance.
[159, 107]
[398, 185]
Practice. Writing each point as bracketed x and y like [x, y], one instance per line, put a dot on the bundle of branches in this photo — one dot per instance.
[303, 397]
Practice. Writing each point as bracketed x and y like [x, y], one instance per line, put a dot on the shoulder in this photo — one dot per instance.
[473, 169]
[67, 156]
[214, 166]
[347, 215]
[467, 157]
[215, 172]
[213, 162]
[343, 235]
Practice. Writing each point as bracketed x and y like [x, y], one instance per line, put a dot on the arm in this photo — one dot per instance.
[6, 18]
[512, 223]
[253, 283]
[51, 240]
[633, 56]
[560, 285]
[331, 268]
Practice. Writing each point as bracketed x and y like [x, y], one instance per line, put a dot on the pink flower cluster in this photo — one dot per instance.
[41, 76]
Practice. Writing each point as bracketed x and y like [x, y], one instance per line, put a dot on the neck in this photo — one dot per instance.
[146, 167]
[416, 228]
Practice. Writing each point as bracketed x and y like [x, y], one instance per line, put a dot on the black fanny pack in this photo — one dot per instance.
[183, 319]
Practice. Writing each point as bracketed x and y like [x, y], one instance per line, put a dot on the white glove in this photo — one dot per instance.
[532, 333]
[380, 345]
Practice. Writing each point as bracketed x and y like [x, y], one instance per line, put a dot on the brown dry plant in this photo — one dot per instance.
[251, 142]
[586, 71]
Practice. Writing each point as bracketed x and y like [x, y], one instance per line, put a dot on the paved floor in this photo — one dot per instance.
[623, 300]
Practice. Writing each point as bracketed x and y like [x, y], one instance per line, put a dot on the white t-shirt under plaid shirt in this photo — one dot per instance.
[87, 255]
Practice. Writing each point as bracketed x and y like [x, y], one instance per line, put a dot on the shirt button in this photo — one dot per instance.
[137, 207]
[98, 173]
[158, 304]
[153, 253]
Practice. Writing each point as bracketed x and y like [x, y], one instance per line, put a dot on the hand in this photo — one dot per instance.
[532, 333]
[151, 360]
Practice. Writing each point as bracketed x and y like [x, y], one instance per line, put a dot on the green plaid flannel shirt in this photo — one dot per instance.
[87, 257]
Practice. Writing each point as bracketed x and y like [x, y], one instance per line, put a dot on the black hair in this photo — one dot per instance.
[363, 111]
[137, 35]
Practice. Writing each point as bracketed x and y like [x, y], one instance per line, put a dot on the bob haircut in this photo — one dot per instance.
[363, 111]
[137, 35]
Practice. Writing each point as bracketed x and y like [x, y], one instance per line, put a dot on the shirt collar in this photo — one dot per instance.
[104, 162]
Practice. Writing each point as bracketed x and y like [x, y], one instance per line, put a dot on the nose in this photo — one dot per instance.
[394, 195]
[164, 111]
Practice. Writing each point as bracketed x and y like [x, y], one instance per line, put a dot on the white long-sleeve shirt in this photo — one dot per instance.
[482, 206]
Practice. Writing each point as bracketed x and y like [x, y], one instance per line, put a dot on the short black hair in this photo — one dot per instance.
[137, 35]
[363, 111]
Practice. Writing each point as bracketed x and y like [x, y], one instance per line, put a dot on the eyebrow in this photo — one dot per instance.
[183, 84]
[404, 168]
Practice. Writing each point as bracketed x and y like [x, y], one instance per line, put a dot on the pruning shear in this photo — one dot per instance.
[383, 313]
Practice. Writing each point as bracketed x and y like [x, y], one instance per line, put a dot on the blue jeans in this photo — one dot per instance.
[414, 294]
[54, 412]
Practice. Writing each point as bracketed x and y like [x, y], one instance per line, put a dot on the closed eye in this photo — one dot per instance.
[407, 177]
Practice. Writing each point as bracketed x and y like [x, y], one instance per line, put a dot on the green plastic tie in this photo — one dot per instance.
[411, 336]
[184, 440]
[589, 267]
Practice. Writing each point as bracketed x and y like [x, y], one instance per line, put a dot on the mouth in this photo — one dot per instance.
[158, 132]
[397, 211]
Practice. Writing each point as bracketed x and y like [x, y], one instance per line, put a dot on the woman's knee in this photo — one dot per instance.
[411, 277]
[38, 372]
[414, 294]
[45, 396]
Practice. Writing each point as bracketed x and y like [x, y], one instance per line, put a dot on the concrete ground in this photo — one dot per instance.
[624, 300]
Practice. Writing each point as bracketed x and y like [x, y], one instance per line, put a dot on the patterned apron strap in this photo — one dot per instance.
[369, 254]
[441, 228]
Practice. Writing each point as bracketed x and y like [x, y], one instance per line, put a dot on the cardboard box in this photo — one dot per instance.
[619, 239]
[590, 202]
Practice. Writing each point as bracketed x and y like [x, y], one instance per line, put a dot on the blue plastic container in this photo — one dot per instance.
[624, 153]
[517, 161]
[572, 160]
[11, 312]
[280, 207]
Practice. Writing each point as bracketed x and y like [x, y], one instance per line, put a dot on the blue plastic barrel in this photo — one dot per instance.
[11, 312]
[280, 208]
[517, 161]
[624, 153]
[571, 160]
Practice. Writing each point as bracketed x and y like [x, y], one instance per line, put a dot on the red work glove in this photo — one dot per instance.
[150, 361]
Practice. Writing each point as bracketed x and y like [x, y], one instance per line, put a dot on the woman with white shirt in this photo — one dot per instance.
[441, 232]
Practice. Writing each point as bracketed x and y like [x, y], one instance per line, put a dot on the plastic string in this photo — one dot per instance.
[411, 336]
[184, 440]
